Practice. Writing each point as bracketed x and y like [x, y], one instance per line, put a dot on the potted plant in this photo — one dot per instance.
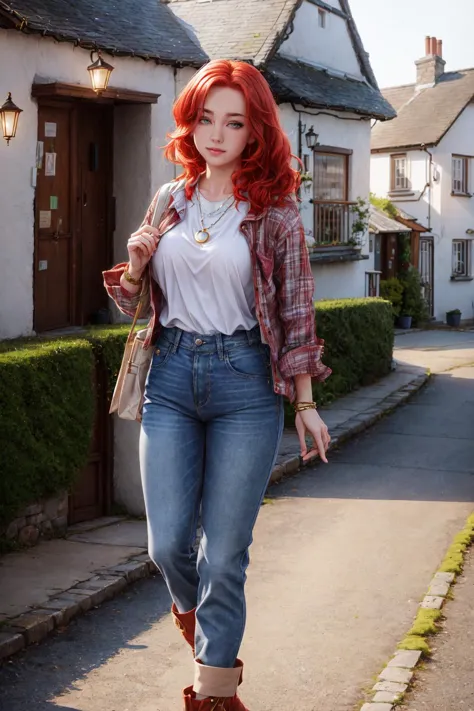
[404, 321]
[414, 308]
[453, 318]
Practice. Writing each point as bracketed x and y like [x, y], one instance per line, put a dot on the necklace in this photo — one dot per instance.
[203, 235]
[218, 209]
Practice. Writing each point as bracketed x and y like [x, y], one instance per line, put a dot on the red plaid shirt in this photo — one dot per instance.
[283, 285]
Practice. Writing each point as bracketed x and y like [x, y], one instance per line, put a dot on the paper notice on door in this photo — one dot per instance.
[45, 219]
[50, 129]
[50, 164]
[53, 202]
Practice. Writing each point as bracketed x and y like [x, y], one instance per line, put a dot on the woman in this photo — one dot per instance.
[232, 325]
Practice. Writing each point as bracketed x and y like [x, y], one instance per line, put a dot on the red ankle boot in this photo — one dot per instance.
[186, 623]
[218, 680]
[232, 703]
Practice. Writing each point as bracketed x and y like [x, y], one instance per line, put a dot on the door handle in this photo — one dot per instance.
[84, 199]
[58, 229]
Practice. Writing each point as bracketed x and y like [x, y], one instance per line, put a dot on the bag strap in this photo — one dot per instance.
[160, 207]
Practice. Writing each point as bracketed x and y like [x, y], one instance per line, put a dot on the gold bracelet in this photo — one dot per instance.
[129, 278]
[300, 406]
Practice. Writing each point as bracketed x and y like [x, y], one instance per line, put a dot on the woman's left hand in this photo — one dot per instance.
[310, 421]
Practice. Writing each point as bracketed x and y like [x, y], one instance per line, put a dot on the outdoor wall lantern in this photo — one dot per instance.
[9, 114]
[100, 73]
[311, 138]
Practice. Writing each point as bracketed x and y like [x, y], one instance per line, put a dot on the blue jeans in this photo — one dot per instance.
[210, 434]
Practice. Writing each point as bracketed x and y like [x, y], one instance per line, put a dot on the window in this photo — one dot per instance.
[460, 175]
[330, 177]
[461, 258]
[399, 170]
[322, 18]
[306, 163]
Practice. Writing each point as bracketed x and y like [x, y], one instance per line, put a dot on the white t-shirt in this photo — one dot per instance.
[207, 288]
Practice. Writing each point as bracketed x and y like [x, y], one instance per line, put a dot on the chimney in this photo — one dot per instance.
[431, 67]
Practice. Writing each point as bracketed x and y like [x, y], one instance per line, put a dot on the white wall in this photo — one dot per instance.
[33, 59]
[330, 46]
[347, 279]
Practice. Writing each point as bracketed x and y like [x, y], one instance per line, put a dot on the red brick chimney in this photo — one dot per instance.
[431, 67]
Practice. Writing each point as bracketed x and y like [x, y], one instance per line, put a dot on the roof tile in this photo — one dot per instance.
[424, 116]
[145, 28]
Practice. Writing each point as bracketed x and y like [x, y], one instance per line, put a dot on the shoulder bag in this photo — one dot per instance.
[127, 400]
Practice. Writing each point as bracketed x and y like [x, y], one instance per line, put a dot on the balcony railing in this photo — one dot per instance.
[333, 223]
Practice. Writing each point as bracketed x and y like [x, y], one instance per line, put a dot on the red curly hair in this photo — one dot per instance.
[265, 174]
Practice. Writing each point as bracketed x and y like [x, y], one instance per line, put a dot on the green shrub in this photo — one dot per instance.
[358, 336]
[46, 417]
[109, 343]
[413, 304]
[47, 408]
[392, 290]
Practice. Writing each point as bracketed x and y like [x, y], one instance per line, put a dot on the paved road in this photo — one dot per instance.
[340, 561]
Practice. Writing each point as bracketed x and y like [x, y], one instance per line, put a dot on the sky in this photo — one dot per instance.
[394, 31]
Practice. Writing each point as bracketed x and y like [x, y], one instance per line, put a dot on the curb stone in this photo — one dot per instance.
[104, 584]
[35, 625]
[355, 425]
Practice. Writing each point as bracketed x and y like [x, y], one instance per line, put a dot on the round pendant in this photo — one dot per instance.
[202, 236]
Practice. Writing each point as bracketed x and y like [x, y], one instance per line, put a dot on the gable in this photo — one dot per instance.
[328, 46]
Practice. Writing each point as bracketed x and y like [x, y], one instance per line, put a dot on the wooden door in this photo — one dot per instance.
[92, 494]
[53, 220]
[73, 225]
[94, 198]
[389, 256]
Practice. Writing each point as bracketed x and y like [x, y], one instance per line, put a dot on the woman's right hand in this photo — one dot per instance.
[141, 247]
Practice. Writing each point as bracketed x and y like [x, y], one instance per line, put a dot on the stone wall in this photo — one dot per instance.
[47, 518]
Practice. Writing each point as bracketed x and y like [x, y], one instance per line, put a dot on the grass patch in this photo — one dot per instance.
[454, 559]
[425, 622]
[415, 642]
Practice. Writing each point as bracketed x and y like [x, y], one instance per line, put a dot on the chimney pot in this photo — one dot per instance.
[434, 43]
[439, 48]
[427, 45]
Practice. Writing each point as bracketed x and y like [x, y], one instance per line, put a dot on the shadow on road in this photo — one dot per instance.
[32, 679]
[424, 451]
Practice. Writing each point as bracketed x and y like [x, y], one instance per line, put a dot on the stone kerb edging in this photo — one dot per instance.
[58, 611]
[36, 624]
[394, 680]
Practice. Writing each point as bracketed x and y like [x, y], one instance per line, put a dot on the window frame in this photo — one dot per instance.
[463, 255]
[333, 152]
[464, 177]
[394, 157]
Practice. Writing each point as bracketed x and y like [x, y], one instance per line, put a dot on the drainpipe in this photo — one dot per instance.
[429, 181]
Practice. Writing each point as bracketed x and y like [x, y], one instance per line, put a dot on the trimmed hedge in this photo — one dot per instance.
[46, 418]
[358, 336]
[47, 399]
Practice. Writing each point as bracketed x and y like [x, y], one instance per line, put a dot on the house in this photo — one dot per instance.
[311, 54]
[423, 161]
[78, 176]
